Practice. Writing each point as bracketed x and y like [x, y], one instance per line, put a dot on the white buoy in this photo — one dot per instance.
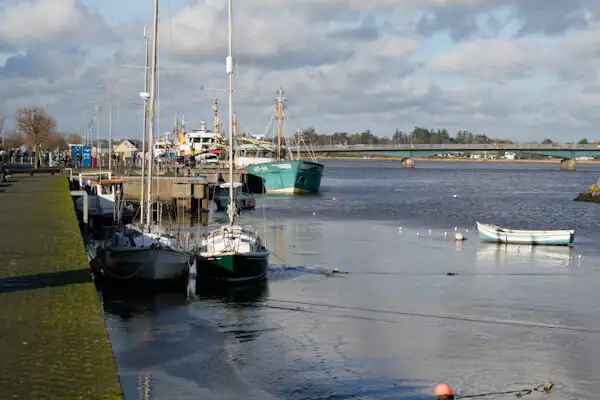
[455, 196]
[430, 231]
[459, 236]
[418, 234]
[445, 234]
[579, 256]
[314, 213]
[399, 229]
[455, 228]
[467, 230]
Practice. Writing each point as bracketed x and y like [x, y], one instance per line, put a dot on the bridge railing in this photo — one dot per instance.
[457, 147]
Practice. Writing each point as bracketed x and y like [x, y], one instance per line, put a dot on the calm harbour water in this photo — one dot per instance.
[396, 325]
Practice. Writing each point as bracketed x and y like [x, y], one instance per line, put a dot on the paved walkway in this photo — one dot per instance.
[53, 339]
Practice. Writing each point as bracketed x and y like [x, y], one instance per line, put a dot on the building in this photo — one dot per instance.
[125, 150]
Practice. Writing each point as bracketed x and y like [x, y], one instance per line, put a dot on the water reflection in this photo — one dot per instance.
[511, 254]
[128, 302]
[232, 294]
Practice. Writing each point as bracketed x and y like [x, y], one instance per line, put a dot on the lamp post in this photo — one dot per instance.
[110, 135]
[98, 112]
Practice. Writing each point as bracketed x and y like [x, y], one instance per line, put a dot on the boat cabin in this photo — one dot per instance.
[255, 153]
[199, 141]
[103, 194]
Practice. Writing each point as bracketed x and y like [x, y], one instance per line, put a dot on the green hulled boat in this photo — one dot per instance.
[279, 168]
[231, 253]
[290, 176]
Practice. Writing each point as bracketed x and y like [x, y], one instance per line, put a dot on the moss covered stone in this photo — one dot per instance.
[54, 343]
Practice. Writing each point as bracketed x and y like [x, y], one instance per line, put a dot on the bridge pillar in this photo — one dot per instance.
[408, 163]
[568, 165]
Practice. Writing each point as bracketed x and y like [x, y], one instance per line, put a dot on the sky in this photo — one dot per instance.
[518, 69]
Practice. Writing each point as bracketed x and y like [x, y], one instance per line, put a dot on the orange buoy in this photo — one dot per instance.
[443, 391]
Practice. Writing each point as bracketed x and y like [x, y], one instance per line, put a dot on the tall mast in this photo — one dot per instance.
[229, 68]
[235, 133]
[152, 112]
[280, 101]
[216, 122]
[145, 127]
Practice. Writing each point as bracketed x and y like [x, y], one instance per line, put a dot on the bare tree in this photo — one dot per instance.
[74, 138]
[36, 127]
[56, 141]
[13, 140]
[2, 119]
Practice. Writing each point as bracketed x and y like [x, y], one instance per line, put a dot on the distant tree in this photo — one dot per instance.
[13, 140]
[547, 141]
[2, 119]
[56, 141]
[74, 138]
[36, 127]
[583, 141]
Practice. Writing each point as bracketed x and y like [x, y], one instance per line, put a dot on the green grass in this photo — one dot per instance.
[54, 339]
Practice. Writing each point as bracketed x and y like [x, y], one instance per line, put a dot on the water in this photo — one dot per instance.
[397, 324]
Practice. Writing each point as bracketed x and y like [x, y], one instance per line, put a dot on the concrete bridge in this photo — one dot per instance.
[565, 152]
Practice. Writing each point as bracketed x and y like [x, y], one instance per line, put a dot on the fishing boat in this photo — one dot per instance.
[232, 253]
[276, 165]
[144, 252]
[492, 233]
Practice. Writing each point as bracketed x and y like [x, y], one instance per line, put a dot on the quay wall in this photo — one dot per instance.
[55, 342]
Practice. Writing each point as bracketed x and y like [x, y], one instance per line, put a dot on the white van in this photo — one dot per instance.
[208, 159]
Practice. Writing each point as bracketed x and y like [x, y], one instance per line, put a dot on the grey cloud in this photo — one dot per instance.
[45, 63]
[549, 17]
[458, 20]
[367, 31]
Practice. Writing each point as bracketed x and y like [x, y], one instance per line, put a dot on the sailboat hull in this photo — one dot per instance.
[289, 176]
[150, 264]
[233, 268]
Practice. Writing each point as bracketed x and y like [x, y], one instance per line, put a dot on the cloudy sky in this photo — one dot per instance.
[522, 69]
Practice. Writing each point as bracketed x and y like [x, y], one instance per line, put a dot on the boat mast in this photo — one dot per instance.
[235, 127]
[216, 124]
[152, 113]
[145, 129]
[280, 101]
[229, 68]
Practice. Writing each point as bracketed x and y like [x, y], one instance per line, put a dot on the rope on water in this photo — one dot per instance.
[543, 388]
[461, 318]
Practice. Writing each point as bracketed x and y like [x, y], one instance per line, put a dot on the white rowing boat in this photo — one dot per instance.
[492, 233]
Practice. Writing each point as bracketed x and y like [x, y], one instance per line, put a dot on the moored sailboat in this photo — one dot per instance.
[232, 253]
[144, 252]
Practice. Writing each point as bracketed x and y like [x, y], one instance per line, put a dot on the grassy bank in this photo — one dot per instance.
[54, 339]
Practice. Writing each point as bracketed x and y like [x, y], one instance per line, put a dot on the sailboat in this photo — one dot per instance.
[144, 252]
[278, 173]
[232, 253]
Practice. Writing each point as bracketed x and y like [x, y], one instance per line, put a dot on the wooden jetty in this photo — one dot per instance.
[55, 344]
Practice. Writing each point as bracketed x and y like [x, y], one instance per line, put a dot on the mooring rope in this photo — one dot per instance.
[432, 316]
[543, 388]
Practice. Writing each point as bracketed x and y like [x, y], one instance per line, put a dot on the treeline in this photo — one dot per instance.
[418, 135]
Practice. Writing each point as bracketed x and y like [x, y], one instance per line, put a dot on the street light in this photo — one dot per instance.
[98, 111]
